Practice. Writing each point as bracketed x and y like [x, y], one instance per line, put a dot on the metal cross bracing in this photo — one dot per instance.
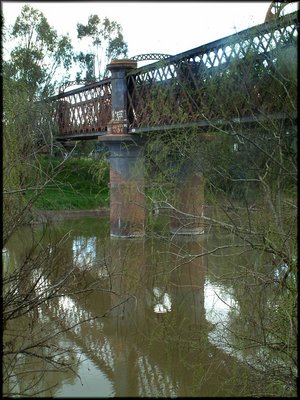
[150, 57]
[230, 78]
[234, 79]
[84, 111]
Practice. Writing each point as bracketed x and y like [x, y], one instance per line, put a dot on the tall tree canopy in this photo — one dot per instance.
[106, 40]
[39, 53]
[37, 59]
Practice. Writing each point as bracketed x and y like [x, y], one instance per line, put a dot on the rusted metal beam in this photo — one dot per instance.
[183, 90]
[205, 124]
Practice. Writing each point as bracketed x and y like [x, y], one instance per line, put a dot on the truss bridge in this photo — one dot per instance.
[231, 79]
[241, 82]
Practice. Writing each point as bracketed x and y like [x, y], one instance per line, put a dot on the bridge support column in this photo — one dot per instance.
[127, 212]
[187, 218]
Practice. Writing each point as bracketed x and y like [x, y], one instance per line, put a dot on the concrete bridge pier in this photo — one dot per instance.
[186, 218]
[127, 212]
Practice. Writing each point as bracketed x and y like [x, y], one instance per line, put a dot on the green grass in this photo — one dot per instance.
[75, 186]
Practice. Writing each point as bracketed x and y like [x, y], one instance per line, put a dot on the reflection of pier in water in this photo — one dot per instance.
[157, 317]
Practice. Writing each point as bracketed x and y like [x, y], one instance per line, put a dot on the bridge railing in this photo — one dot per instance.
[233, 77]
[84, 110]
[243, 75]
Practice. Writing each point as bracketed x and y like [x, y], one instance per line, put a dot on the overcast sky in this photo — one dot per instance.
[148, 27]
[152, 27]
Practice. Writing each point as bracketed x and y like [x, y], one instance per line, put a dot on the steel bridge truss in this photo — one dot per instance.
[84, 110]
[236, 77]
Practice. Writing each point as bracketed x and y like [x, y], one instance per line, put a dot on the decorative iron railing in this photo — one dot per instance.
[240, 75]
[150, 57]
[84, 110]
[250, 73]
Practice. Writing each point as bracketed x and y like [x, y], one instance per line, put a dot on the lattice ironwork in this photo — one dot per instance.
[276, 9]
[233, 77]
[67, 84]
[84, 110]
[150, 57]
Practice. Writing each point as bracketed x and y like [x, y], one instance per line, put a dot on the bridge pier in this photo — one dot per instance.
[186, 218]
[127, 211]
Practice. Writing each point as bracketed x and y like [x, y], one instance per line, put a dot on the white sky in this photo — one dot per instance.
[149, 27]
[152, 27]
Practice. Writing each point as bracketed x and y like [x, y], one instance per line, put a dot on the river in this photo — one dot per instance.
[165, 316]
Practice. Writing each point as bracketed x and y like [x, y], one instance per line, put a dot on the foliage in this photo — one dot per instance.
[18, 150]
[78, 184]
[86, 63]
[107, 42]
[31, 281]
[38, 54]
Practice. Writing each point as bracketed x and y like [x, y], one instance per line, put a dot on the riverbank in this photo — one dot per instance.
[77, 184]
[44, 216]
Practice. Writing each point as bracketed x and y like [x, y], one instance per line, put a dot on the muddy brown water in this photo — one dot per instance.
[161, 315]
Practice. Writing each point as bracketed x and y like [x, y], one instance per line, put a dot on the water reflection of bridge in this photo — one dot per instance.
[157, 319]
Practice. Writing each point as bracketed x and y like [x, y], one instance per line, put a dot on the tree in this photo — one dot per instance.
[30, 282]
[38, 54]
[87, 66]
[107, 42]
[38, 59]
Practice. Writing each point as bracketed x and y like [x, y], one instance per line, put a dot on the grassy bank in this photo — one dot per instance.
[82, 184]
[76, 184]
